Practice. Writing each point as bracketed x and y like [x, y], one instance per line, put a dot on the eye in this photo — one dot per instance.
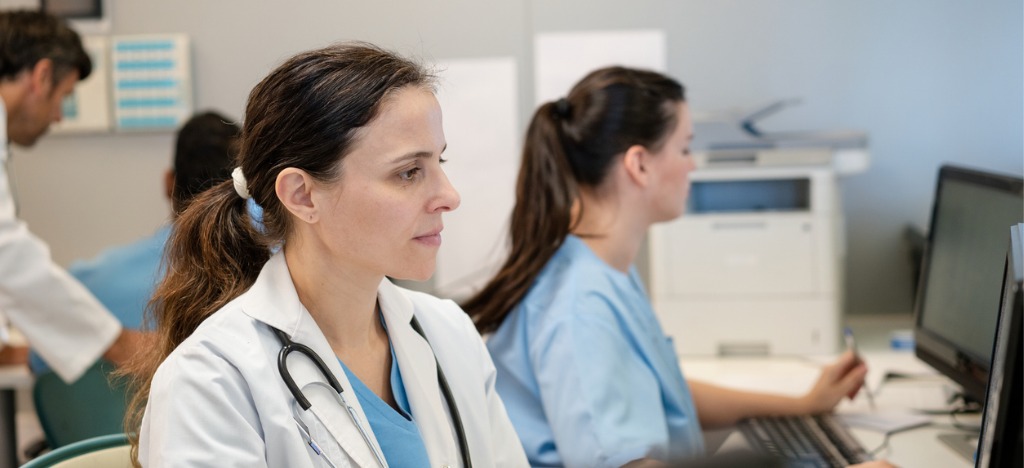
[441, 160]
[409, 174]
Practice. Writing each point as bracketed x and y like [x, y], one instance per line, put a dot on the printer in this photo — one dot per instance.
[756, 264]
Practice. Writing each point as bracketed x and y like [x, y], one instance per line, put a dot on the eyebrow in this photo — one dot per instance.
[416, 155]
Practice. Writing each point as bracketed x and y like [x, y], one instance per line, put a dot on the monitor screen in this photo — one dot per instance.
[1001, 434]
[958, 299]
[92, 9]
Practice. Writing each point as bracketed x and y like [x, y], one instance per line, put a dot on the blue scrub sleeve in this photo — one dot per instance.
[602, 400]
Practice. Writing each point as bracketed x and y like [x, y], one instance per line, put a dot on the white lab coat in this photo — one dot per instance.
[219, 400]
[61, 319]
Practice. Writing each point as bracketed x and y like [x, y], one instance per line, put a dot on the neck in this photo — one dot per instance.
[343, 303]
[612, 230]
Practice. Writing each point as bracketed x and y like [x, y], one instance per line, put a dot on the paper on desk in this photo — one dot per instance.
[886, 423]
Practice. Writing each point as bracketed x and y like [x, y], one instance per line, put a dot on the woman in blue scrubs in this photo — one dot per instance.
[586, 372]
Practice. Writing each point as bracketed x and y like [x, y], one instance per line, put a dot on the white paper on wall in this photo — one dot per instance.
[152, 81]
[562, 58]
[87, 109]
[478, 100]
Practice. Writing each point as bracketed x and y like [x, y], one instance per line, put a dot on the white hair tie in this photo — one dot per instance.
[241, 186]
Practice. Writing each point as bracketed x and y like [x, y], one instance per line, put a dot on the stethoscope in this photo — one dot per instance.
[282, 365]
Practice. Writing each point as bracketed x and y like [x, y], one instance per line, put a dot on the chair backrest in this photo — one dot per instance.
[92, 406]
[108, 451]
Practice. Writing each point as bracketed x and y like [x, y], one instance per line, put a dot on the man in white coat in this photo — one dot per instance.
[41, 60]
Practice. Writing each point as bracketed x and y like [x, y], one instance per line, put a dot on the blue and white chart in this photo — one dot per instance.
[152, 86]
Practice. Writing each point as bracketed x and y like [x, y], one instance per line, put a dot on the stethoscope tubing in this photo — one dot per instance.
[287, 346]
[460, 431]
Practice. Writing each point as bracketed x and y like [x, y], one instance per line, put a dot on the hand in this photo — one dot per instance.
[841, 378]
[127, 345]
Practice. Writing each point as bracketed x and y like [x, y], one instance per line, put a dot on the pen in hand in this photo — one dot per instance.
[851, 345]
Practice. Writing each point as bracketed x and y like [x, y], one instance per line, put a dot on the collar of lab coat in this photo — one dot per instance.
[274, 301]
[417, 362]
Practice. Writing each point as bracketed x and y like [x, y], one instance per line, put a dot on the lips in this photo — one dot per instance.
[432, 238]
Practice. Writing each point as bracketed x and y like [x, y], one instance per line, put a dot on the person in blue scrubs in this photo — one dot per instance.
[123, 277]
[586, 372]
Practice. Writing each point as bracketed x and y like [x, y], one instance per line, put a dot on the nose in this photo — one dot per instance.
[447, 198]
[691, 164]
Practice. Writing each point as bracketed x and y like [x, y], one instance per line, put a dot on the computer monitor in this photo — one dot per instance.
[1002, 442]
[958, 298]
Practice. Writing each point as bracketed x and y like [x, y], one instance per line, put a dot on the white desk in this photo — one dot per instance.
[12, 378]
[912, 448]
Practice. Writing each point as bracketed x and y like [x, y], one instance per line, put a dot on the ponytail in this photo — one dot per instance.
[541, 219]
[570, 143]
[213, 255]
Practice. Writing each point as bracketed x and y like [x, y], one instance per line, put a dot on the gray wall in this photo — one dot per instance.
[931, 81]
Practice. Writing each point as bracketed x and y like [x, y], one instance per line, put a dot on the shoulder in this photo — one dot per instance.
[223, 345]
[217, 371]
[572, 286]
[222, 367]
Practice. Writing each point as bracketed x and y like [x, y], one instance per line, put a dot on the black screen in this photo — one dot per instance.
[1001, 436]
[958, 302]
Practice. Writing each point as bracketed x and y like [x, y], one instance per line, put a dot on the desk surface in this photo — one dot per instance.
[925, 389]
[16, 376]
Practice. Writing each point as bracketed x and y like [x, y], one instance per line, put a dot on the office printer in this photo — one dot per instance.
[756, 264]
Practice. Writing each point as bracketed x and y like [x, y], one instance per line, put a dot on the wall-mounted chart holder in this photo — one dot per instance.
[151, 81]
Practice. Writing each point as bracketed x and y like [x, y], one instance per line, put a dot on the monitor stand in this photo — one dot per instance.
[966, 444]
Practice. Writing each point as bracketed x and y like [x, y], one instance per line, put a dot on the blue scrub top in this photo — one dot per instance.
[396, 431]
[586, 373]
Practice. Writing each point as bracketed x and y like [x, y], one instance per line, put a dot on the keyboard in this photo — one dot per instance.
[805, 441]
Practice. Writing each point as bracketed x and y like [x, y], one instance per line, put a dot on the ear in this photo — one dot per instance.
[41, 76]
[294, 187]
[635, 162]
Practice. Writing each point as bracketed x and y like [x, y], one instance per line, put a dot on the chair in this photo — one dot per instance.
[108, 451]
[92, 406]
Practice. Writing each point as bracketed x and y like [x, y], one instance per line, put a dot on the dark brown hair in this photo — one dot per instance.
[204, 154]
[26, 37]
[304, 114]
[572, 142]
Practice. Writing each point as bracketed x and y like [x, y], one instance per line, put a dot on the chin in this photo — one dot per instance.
[415, 272]
[670, 215]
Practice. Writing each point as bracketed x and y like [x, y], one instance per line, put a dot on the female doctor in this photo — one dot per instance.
[310, 356]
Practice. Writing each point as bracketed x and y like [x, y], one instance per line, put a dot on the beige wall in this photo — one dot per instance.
[931, 81]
